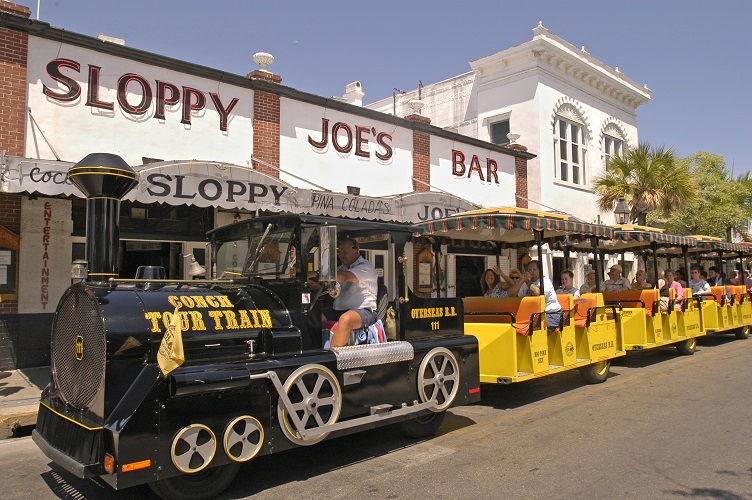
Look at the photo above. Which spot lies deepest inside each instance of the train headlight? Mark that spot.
(79, 270)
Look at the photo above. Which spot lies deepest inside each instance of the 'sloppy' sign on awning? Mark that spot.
(192, 182)
(222, 185)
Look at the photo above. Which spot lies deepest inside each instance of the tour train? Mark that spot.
(595, 327)
(256, 378)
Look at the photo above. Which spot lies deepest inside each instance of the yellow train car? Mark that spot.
(729, 309)
(512, 332)
(643, 321)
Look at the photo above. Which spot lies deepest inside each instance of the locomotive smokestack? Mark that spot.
(104, 179)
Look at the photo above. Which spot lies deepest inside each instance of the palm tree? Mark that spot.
(648, 178)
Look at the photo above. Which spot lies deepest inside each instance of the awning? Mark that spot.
(233, 187)
(178, 182)
(708, 245)
(630, 237)
(514, 226)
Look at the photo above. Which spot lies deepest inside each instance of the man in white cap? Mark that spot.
(615, 281)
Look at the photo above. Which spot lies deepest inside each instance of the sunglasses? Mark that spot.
(515, 277)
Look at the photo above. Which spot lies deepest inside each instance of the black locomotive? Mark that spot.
(256, 379)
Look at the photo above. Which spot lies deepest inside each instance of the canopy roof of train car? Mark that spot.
(514, 226)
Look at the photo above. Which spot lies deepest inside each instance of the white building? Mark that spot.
(570, 109)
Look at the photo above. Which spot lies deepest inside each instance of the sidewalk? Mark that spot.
(19, 397)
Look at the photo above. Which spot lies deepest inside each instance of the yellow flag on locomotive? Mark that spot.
(170, 354)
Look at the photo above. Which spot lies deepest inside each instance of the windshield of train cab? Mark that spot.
(262, 249)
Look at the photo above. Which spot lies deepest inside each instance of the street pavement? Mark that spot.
(19, 398)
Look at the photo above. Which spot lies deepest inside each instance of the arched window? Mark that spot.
(613, 143)
(570, 146)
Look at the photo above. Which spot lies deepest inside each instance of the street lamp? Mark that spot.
(621, 212)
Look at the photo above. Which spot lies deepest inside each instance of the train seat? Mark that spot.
(565, 301)
(522, 311)
(649, 299)
(583, 307)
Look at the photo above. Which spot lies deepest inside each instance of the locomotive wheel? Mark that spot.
(687, 347)
(193, 448)
(316, 399)
(203, 485)
(422, 427)
(244, 437)
(596, 373)
(439, 378)
(742, 333)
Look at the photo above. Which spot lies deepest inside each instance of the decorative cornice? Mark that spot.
(547, 49)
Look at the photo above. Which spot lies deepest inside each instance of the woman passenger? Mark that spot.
(589, 285)
(640, 281)
(491, 286)
(567, 284)
(669, 282)
(697, 283)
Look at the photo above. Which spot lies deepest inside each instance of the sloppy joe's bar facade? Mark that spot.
(208, 147)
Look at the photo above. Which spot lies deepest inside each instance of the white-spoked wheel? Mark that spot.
(439, 378)
(193, 448)
(244, 437)
(316, 399)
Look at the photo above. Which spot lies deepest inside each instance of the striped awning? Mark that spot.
(513, 226)
(632, 236)
(710, 245)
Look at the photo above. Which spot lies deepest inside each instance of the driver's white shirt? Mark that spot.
(360, 294)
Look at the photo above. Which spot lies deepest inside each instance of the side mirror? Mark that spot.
(328, 254)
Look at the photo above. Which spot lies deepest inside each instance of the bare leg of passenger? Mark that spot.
(348, 321)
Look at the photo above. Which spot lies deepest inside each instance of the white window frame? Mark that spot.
(579, 147)
(613, 134)
(488, 121)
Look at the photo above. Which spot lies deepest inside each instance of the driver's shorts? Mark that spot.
(367, 316)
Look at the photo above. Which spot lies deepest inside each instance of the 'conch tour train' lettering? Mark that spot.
(218, 319)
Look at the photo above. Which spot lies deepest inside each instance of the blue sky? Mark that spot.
(691, 53)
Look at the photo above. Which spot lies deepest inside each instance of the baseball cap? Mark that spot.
(615, 267)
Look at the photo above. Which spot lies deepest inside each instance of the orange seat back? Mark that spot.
(718, 292)
(526, 314)
(566, 303)
(524, 310)
(582, 305)
(645, 297)
(491, 306)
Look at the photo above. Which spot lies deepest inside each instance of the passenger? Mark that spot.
(616, 283)
(567, 284)
(355, 307)
(589, 285)
(514, 281)
(640, 281)
(669, 282)
(491, 286)
(714, 278)
(697, 283)
(733, 279)
(679, 274)
(554, 312)
(748, 282)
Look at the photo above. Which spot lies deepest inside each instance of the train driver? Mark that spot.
(355, 307)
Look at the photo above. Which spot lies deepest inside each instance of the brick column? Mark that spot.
(520, 176)
(14, 47)
(266, 124)
(421, 154)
